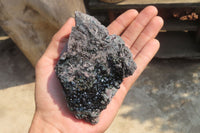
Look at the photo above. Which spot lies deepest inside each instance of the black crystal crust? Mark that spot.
(92, 67)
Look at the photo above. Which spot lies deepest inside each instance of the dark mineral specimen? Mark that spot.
(92, 67)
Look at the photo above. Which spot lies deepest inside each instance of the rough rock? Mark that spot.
(92, 67)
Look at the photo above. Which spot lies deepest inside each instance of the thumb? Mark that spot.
(59, 40)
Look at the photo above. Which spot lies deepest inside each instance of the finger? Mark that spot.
(120, 24)
(142, 59)
(59, 40)
(137, 26)
(65, 30)
(147, 34)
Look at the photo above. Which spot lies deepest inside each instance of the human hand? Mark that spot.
(52, 115)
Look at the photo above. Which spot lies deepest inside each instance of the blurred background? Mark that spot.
(166, 97)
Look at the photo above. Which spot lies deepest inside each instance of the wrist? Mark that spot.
(39, 125)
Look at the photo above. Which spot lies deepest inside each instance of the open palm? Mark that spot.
(52, 115)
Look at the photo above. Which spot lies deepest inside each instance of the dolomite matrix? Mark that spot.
(92, 67)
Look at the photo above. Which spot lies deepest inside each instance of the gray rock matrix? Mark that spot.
(92, 67)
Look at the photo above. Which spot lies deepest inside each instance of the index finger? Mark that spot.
(122, 22)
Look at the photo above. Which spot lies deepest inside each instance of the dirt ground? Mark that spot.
(165, 99)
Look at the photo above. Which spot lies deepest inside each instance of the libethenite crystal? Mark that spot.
(92, 67)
